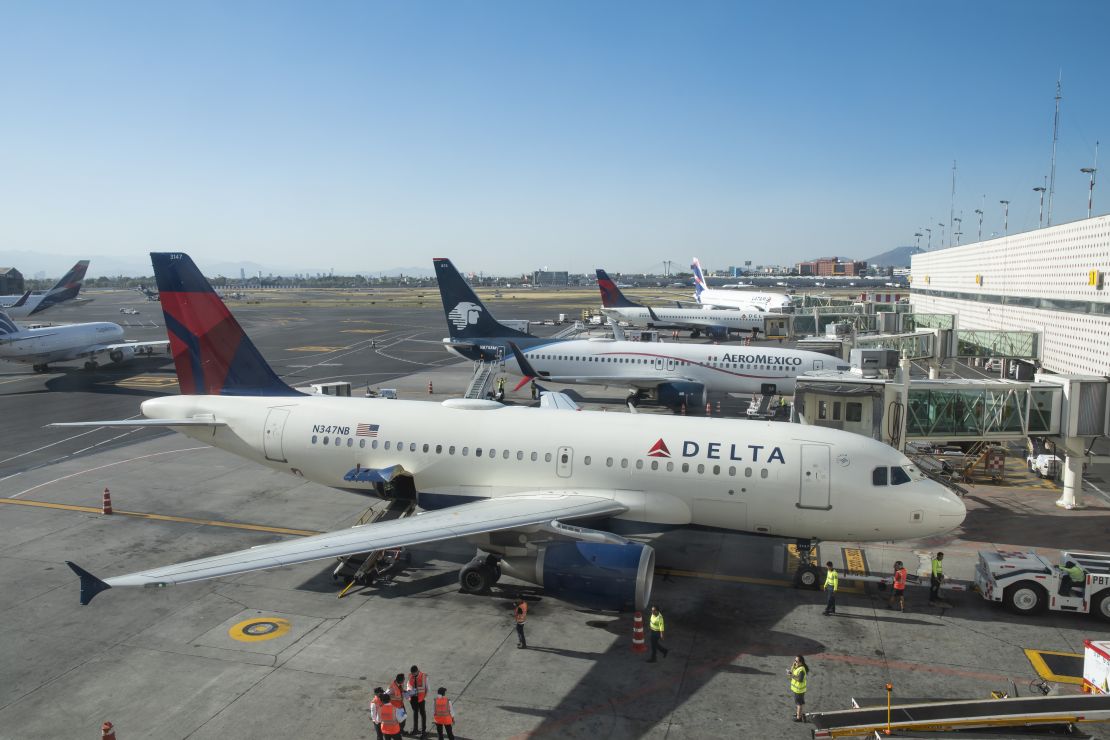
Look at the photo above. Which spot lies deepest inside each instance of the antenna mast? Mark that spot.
(1055, 138)
(952, 203)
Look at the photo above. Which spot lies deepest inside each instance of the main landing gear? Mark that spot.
(808, 574)
(479, 575)
(42, 368)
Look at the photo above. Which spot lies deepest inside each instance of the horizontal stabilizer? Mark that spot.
(90, 584)
(143, 423)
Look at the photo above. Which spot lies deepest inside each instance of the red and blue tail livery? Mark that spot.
(211, 352)
(611, 295)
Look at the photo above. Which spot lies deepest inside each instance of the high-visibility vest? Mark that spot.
(396, 695)
(442, 714)
(522, 612)
(797, 681)
(656, 622)
(390, 725)
(420, 683)
(1075, 573)
(938, 568)
(900, 579)
(832, 579)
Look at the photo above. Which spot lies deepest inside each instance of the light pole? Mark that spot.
(917, 235)
(958, 233)
(942, 242)
(1040, 217)
(980, 212)
(929, 240)
(1005, 216)
(1091, 190)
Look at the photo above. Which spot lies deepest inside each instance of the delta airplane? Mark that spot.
(91, 342)
(718, 298)
(542, 493)
(669, 374)
(716, 323)
(66, 289)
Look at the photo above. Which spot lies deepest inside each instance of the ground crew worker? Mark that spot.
(417, 688)
(520, 614)
(899, 587)
(393, 718)
(832, 583)
(1073, 576)
(535, 391)
(443, 714)
(936, 577)
(799, 674)
(397, 698)
(376, 711)
(657, 627)
(501, 389)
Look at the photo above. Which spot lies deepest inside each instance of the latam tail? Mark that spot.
(467, 316)
(611, 295)
(211, 352)
(65, 289)
(699, 280)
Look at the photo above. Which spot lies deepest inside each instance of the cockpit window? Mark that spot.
(878, 477)
(898, 476)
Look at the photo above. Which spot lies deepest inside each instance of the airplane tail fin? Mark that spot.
(22, 300)
(7, 326)
(65, 289)
(611, 295)
(211, 352)
(467, 317)
(699, 279)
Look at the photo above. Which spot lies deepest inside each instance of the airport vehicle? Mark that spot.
(91, 342)
(1045, 466)
(511, 479)
(671, 375)
(66, 289)
(715, 322)
(720, 298)
(1029, 583)
(129, 311)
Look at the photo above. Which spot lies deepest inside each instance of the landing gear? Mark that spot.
(634, 398)
(695, 333)
(90, 365)
(479, 575)
(808, 575)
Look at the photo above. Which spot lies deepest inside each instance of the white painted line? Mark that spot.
(60, 441)
(103, 442)
(108, 465)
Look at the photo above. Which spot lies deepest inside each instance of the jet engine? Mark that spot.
(592, 574)
(719, 333)
(121, 354)
(675, 394)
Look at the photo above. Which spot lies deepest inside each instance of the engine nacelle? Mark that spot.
(121, 354)
(674, 395)
(591, 574)
(719, 333)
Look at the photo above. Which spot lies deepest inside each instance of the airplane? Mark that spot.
(150, 294)
(716, 323)
(66, 289)
(719, 298)
(672, 375)
(40, 347)
(542, 493)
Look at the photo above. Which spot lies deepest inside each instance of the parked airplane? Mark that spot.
(719, 298)
(669, 374)
(716, 323)
(509, 479)
(66, 289)
(91, 342)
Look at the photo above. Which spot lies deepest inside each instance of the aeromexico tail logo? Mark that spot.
(659, 449)
(721, 451)
(464, 314)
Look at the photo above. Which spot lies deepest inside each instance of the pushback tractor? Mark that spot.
(1029, 583)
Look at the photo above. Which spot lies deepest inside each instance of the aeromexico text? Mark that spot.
(762, 359)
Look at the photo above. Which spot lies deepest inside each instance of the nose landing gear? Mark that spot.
(808, 574)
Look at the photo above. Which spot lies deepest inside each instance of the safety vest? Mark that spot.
(656, 622)
(900, 579)
(420, 683)
(442, 714)
(521, 614)
(938, 568)
(832, 579)
(390, 725)
(1075, 573)
(396, 695)
(797, 680)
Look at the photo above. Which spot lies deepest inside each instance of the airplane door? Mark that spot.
(271, 435)
(564, 462)
(813, 489)
(670, 364)
(658, 363)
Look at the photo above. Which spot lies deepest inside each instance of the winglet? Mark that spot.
(526, 368)
(90, 584)
(22, 299)
(655, 319)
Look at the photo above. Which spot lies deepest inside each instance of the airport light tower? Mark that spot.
(980, 212)
(1005, 216)
(929, 241)
(1091, 190)
(1040, 217)
(917, 235)
(958, 233)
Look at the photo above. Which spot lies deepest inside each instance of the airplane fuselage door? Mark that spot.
(658, 363)
(670, 364)
(813, 489)
(564, 462)
(271, 435)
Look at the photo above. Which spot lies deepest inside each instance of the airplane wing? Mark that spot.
(139, 348)
(479, 517)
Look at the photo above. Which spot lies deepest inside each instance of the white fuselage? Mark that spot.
(739, 299)
(57, 343)
(775, 479)
(7, 303)
(710, 318)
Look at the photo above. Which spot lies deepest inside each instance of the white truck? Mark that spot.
(1029, 583)
(1044, 465)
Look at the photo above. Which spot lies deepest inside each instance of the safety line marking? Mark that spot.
(1043, 670)
(855, 562)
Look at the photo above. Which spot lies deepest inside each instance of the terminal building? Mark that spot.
(11, 281)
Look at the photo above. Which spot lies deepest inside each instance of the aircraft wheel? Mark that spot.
(1025, 597)
(477, 578)
(1102, 606)
(807, 576)
(90, 366)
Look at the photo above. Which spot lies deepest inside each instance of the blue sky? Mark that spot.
(510, 135)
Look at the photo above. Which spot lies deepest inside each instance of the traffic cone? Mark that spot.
(684, 408)
(709, 408)
(638, 645)
(430, 391)
(106, 507)
(107, 732)
(718, 408)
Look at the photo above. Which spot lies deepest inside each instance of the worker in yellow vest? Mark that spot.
(416, 687)
(799, 674)
(832, 583)
(393, 718)
(443, 714)
(656, 627)
(936, 577)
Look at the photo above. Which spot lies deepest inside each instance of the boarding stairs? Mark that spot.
(760, 407)
(364, 567)
(479, 383)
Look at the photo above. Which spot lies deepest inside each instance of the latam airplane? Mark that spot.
(66, 289)
(542, 493)
(716, 323)
(669, 374)
(91, 342)
(718, 298)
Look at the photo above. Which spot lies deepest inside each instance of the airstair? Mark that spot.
(365, 567)
(479, 383)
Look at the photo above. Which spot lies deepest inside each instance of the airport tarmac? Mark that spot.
(277, 654)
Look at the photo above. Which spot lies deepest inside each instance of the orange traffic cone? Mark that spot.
(107, 732)
(718, 408)
(638, 645)
(709, 408)
(430, 391)
(684, 408)
(106, 507)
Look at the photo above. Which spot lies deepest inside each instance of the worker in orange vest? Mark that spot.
(397, 697)
(393, 718)
(443, 714)
(417, 688)
(899, 590)
(520, 614)
(376, 711)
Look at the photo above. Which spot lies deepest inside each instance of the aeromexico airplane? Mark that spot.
(667, 373)
(720, 298)
(66, 289)
(716, 323)
(92, 342)
(518, 482)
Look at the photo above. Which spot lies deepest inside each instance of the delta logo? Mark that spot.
(659, 449)
(722, 451)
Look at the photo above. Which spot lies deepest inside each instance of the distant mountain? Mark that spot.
(898, 257)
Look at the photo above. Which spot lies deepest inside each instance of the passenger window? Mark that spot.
(716, 470)
(624, 462)
(747, 472)
(763, 473)
(439, 449)
(608, 462)
(670, 467)
(325, 440)
(362, 444)
(477, 451)
(655, 465)
(313, 439)
(451, 450)
(853, 412)
(585, 460)
(639, 465)
(412, 447)
(701, 469)
(534, 457)
(386, 446)
(374, 445)
(350, 441)
(337, 441)
(505, 455)
(519, 454)
(898, 476)
(685, 467)
(878, 477)
(465, 451)
(425, 448)
(547, 457)
(732, 470)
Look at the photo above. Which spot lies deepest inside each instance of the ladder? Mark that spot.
(479, 383)
(358, 566)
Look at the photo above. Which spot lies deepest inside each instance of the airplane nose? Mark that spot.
(951, 509)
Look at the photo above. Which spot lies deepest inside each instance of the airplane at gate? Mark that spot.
(90, 342)
(66, 289)
(520, 483)
(734, 299)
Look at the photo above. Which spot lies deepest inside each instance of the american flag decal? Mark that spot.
(366, 430)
